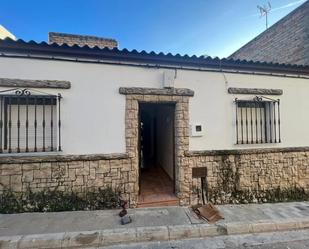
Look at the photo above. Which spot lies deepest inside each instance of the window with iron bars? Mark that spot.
(29, 121)
(257, 121)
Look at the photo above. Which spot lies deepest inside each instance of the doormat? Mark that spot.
(208, 212)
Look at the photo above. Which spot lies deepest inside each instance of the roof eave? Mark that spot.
(96, 54)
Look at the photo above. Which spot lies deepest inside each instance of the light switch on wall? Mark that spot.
(197, 130)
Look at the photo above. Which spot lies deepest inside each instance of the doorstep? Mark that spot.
(155, 200)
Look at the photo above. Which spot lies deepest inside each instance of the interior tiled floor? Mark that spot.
(156, 188)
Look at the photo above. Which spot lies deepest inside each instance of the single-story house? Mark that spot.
(82, 118)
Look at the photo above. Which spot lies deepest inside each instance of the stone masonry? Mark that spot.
(284, 42)
(249, 170)
(81, 40)
(69, 173)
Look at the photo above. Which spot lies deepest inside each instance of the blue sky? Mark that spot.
(212, 27)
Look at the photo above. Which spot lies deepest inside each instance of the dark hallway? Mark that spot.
(157, 155)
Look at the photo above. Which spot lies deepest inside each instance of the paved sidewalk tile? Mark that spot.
(96, 228)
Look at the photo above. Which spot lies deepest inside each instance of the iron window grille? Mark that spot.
(258, 121)
(29, 121)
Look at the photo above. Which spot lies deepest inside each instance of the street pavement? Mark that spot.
(275, 240)
(57, 222)
(86, 229)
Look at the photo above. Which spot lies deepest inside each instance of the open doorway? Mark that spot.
(156, 154)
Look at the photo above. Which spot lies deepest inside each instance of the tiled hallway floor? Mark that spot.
(156, 189)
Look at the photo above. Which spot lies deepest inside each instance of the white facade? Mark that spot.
(93, 111)
(4, 33)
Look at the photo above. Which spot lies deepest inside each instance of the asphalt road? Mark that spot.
(279, 240)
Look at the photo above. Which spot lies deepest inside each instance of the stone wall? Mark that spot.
(227, 171)
(247, 171)
(284, 42)
(69, 173)
(81, 40)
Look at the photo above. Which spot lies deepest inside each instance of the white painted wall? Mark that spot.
(214, 108)
(93, 110)
(165, 140)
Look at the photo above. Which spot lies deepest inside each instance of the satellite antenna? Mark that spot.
(264, 10)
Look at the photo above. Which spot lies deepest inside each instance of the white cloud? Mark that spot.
(288, 5)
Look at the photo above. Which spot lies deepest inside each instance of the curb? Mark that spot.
(85, 239)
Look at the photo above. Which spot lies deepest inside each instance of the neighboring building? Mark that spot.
(82, 118)
(284, 42)
(4, 33)
(81, 40)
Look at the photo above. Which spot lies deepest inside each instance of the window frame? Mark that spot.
(264, 130)
(26, 97)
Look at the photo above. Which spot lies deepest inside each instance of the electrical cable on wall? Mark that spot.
(225, 78)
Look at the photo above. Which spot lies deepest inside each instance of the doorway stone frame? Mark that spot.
(179, 96)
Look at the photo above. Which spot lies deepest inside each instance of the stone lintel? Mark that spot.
(61, 84)
(60, 158)
(156, 91)
(245, 151)
(262, 91)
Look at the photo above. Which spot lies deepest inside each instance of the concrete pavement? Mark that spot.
(85, 229)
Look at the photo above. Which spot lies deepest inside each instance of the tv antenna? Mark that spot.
(264, 10)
